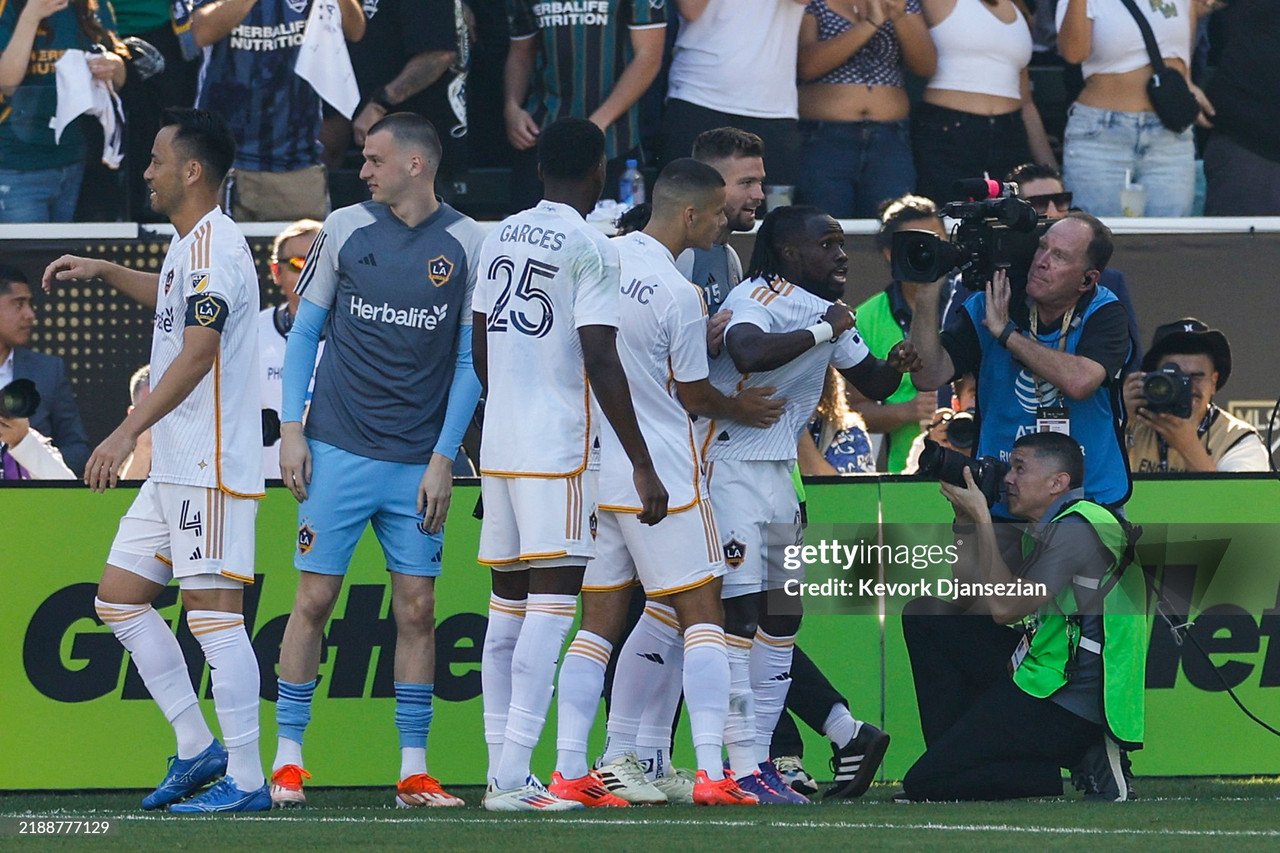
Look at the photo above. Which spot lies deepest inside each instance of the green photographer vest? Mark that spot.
(880, 331)
(1053, 646)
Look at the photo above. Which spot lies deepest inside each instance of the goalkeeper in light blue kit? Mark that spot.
(389, 282)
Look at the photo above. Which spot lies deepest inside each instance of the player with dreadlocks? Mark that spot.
(788, 325)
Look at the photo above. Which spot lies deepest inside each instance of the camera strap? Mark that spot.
(1162, 446)
(1061, 344)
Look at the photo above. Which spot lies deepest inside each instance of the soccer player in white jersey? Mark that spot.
(547, 299)
(289, 252)
(662, 345)
(787, 327)
(193, 519)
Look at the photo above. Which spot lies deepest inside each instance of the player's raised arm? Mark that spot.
(137, 285)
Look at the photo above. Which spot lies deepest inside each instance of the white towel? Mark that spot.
(323, 60)
(80, 93)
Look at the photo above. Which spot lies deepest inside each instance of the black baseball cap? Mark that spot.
(1189, 335)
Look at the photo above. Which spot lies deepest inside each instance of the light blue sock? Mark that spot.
(413, 714)
(293, 708)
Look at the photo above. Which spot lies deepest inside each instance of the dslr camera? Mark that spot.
(1168, 390)
(997, 230)
(948, 466)
(19, 399)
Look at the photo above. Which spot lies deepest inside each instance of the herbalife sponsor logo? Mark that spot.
(418, 318)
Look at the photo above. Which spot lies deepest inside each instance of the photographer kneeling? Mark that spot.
(1076, 615)
(1174, 425)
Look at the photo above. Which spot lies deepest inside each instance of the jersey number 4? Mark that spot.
(503, 318)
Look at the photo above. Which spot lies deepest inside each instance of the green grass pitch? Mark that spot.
(1172, 814)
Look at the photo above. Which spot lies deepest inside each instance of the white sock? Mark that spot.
(841, 727)
(413, 760)
(770, 681)
(158, 657)
(505, 620)
(662, 686)
(579, 688)
(740, 722)
(643, 664)
(236, 683)
(533, 674)
(706, 693)
(288, 751)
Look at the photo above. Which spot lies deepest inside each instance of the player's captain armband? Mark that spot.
(207, 310)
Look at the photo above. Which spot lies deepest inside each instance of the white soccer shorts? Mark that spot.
(678, 553)
(758, 515)
(538, 522)
(202, 536)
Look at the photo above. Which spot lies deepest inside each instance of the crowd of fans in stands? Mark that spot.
(858, 101)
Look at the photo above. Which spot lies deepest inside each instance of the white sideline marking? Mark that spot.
(423, 817)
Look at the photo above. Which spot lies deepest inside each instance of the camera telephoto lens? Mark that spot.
(19, 399)
(1159, 389)
(962, 431)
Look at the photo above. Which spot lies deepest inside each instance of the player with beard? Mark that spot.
(787, 326)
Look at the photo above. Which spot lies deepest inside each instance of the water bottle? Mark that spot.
(631, 186)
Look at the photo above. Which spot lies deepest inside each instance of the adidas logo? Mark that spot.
(369, 260)
(724, 436)
(195, 555)
(782, 676)
(652, 656)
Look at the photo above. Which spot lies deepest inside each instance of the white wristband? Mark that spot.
(821, 332)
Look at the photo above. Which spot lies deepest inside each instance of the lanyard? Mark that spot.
(1163, 446)
(1061, 345)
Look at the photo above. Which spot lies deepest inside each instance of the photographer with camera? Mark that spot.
(1006, 702)
(1174, 425)
(41, 437)
(1047, 359)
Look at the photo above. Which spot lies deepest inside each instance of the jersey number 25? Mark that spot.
(503, 318)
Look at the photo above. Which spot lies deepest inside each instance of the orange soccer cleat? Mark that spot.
(286, 787)
(721, 792)
(423, 790)
(588, 790)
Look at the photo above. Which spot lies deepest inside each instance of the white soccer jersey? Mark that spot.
(662, 339)
(213, 438)
(778, 306)
(271, 340)
(543, 274)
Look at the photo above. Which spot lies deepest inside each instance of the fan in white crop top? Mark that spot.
(1117, 45)
(978, 52)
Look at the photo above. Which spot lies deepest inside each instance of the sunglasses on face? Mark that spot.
(1062, 201)
(297, 262)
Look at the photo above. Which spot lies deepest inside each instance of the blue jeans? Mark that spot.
(40, 195)
(1099, 145)
(850, 167)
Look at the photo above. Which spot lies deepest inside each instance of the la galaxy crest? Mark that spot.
(306, 538)
(440, 270)
(735, 553)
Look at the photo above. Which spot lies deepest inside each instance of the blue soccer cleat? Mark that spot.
(769, 774)
(226, 797)
(754, 784)
(187, 775)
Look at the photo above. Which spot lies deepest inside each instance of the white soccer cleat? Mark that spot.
(531, 797)
(286, 787)
(677, 786)
(624, 777)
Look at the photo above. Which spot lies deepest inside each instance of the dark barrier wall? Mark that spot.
(1228, 280)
